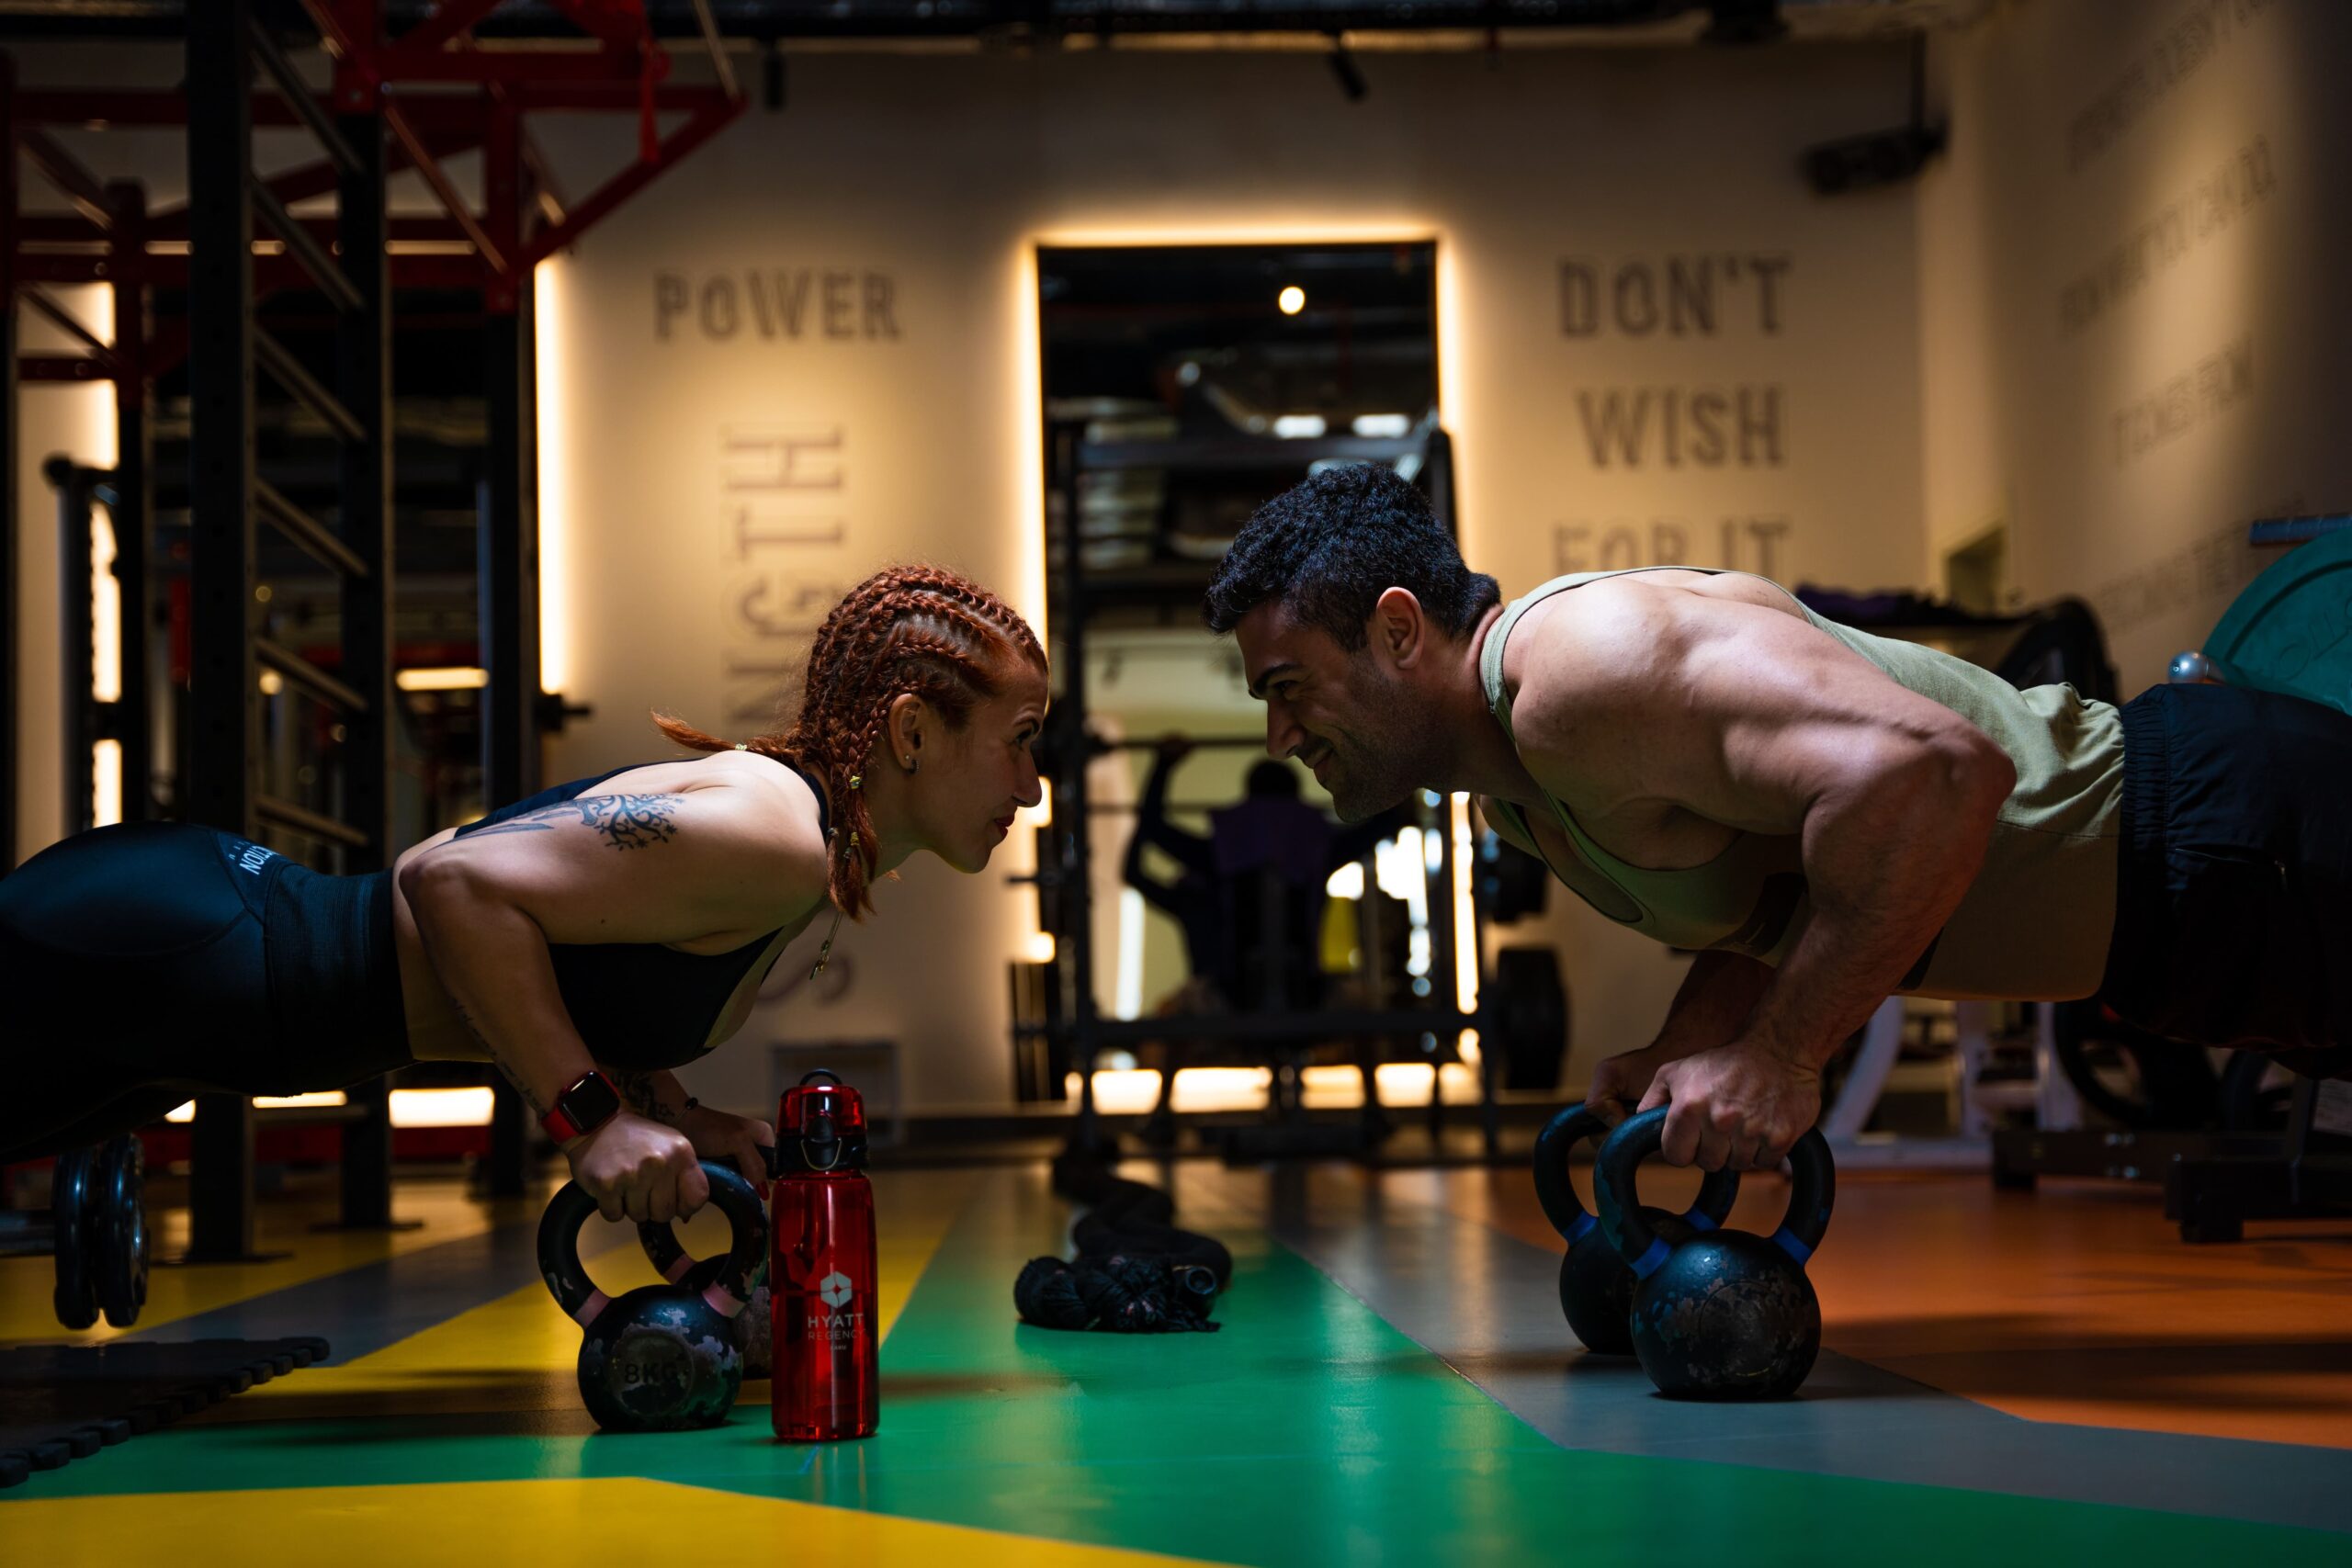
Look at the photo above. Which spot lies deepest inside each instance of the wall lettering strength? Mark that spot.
(781, 501)
(777, 305)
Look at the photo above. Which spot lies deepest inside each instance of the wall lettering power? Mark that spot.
(782, 305)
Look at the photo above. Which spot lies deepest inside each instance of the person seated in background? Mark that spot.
(1248, 897)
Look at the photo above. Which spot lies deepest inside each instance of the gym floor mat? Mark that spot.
(60, 1403)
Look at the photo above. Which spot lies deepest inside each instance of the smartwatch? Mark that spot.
(588, 1104)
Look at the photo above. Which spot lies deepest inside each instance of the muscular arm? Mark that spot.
(1716, 998)
(721, 862)
(1744, 715)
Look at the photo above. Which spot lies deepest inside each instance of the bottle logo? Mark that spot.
(834, 1289)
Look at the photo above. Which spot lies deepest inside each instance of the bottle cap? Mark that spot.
(820, 1126)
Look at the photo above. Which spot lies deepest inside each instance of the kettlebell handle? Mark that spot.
(571, 1209)
(1813, 1191)
(1570, 1127)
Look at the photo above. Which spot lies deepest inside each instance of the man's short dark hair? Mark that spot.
(1326, 549)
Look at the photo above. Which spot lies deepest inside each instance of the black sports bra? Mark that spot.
(639, 1006)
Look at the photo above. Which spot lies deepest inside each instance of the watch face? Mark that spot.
(590, 1103)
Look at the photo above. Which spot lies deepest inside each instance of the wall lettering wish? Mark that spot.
(777, 305)
(1673, 427)
(781, 502)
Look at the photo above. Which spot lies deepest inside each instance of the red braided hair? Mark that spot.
(919, 630)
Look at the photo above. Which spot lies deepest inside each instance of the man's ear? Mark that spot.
(1399, 631)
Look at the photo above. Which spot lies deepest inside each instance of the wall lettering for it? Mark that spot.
(2185, 47)
(781, 493)
(1742, 544)
(2208, 208)
(777, 305)
(1677, 296)
(2205, 391)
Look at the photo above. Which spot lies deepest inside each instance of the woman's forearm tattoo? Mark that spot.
(627, 821)
(641, 1091)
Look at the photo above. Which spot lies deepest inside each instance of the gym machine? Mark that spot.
(2276, 1152)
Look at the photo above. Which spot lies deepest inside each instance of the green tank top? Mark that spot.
(2053, 850)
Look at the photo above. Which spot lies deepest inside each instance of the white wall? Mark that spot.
(2134, 333)
(934, 179)
(76, 421)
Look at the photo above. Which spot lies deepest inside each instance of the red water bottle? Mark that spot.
(826, 1375)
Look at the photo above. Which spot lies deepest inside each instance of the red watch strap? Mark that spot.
(559, 1123)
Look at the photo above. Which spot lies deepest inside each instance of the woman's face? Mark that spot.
(964, 801)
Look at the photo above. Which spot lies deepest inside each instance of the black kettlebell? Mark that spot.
(1596, 1287)
(753, 1326)
(1723, 1313)
(661, 1358)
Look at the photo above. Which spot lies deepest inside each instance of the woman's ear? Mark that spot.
(903, 733)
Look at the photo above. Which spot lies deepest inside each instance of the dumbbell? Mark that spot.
(99, 1233)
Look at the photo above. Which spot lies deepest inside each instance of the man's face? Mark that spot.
(1349, 716)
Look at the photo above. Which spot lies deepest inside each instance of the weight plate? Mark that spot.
(2291, 629)
(118, 1230)
(76, 1294)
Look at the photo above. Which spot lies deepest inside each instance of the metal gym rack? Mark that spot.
(234, 243)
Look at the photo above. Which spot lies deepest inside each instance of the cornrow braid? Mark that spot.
(908, 631)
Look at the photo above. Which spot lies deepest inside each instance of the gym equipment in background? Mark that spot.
(2261, 1149)
(1721, 1315)
(661, 1358)
(1596, 1287)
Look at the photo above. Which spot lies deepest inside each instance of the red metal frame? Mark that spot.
(525, 222)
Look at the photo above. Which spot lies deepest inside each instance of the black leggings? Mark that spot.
(2234, 914)
(143, 963)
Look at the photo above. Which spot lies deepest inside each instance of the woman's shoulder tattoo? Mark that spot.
(627, 821)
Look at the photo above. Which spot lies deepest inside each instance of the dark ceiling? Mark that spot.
(1718, 21)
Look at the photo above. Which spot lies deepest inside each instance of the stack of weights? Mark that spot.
(1134, 1273)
